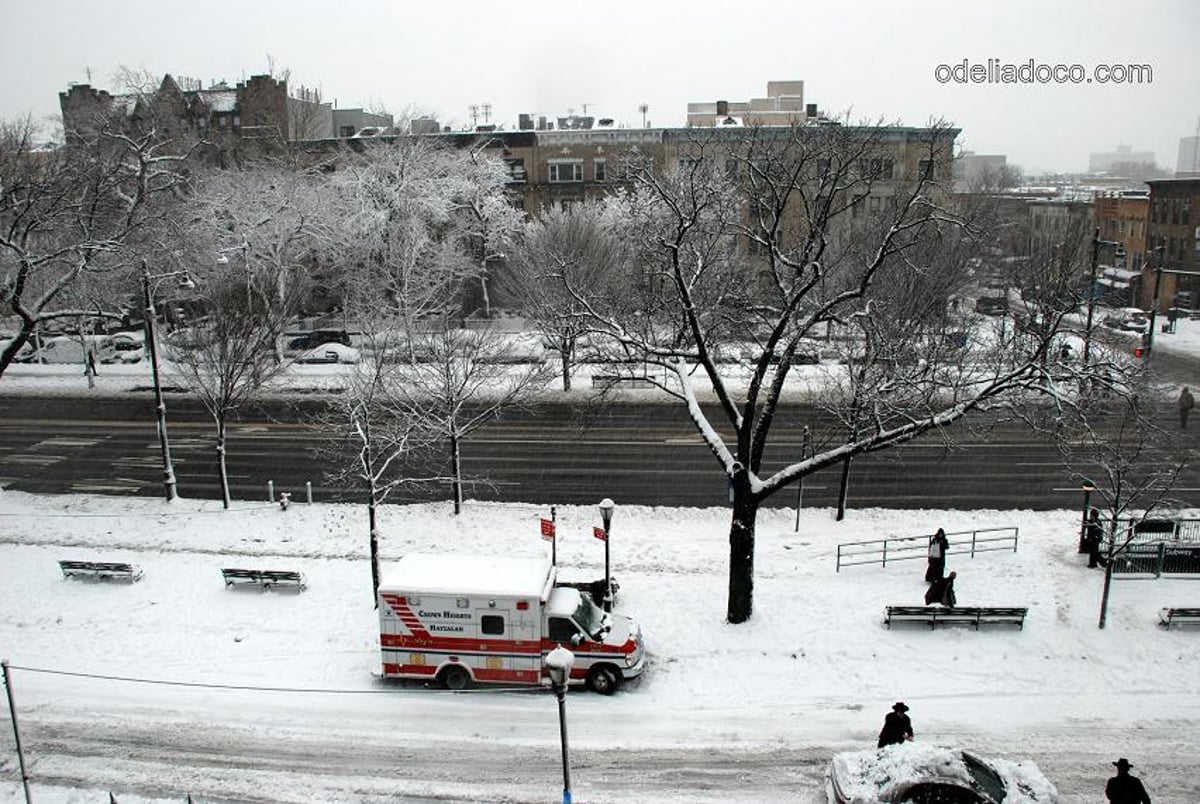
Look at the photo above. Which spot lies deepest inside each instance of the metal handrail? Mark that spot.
(907, 548)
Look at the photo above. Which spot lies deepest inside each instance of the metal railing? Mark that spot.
(1156, 547)
(909, 548)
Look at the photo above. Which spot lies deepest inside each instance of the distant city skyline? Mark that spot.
(1046, 85)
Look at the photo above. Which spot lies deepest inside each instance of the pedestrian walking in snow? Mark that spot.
(1186, 403)
(938, 545)
(896, 726)
(1125, 788)
(942, 591)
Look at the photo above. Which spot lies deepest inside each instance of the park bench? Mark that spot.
(100, 570)
(957, 615)
(1178, 616)
(264, 578)
(607, 381)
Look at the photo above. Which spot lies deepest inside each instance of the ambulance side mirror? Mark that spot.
(576, 639)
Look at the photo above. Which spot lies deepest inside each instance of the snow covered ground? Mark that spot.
(273, 696)
(294, 711)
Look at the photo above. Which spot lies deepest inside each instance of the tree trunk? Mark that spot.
(843, 490)
(483, 287)
(221, 470)
(741, 550)
(373, 521)
(1108, 569)
(566, 369)
(456, 472)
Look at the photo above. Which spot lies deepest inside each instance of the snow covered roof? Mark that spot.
(219, 100)
(452, 574)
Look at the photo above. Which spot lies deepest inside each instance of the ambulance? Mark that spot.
(458, 620)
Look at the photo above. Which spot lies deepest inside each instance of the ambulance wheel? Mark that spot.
(603, 679)
(455, 678)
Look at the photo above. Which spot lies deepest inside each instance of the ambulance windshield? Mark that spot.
(591, 618)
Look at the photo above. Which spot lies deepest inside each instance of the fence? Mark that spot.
(1157, 547)
(908, 548)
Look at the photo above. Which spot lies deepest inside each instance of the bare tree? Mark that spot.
(248, 289)
(460, 380)
(383, 435)
(767, 236)
(564, 248)
(1112, 441)
(487, 219)
(72, 221)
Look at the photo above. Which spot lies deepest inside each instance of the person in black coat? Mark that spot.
(942, 591)
(938, 545)
(896, 726)
(1093, 537)
(1125, 788)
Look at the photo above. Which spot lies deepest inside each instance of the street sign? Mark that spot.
(548, 530)
(600, 533)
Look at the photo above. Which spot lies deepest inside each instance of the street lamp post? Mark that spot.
(558, 665)
(160, 406)
(606, 511)
(1087, 487)
(1091, 299)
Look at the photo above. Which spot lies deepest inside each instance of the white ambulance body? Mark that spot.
(457, 619)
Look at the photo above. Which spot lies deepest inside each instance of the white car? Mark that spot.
(920, 773)
(330, 353)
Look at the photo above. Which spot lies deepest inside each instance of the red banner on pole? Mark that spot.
(600, 533)
(548, 530)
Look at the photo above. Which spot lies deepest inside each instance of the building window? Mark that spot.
(925, 167)
(599, 170)
(237, 120)
(875, 205)
(877, 168)
(345, 131)
(516, 170)
(566, 171)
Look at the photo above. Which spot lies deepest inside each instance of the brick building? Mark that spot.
(1173, 233)
(259, 107)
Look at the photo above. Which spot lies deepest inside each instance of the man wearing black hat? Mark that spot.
(1124, 788)
(896, 726)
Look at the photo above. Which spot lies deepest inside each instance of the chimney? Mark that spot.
(722, 107)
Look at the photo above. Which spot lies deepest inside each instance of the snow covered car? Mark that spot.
(130, 346)
(330, 353)
(918, 773)
(1128, 318)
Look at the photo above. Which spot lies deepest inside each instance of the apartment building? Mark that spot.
(261, 107)
(1173, 235)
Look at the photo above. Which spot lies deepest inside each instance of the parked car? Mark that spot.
(130, 346)
(1131, 319)
(919, 773)
(295, 343)
(330, 353)
(71, 349)
(991, 305)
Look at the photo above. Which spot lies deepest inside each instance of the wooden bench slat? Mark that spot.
(264, 578)
(1179, 616)
(975, 615)
(102, 570)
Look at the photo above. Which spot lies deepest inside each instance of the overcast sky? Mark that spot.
(873, 59)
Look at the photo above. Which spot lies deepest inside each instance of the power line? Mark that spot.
(249, 687)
